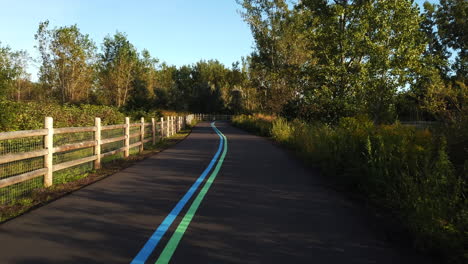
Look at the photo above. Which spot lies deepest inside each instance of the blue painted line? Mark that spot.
(153, 241)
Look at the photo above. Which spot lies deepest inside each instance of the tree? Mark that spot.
(277, 63)
(6, 71)
(164, 85)
(14, 78)
(67, 62)
(20, 60)
(144, 82)
(437, 92)
(453, 30)
(333, 58)
(366, 51)
(116, 68)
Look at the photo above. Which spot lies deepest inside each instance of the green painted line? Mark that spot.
(171, 246)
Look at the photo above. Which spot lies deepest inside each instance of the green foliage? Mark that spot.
(453, 30)
(117, 65)
(24, 116)
(281, 130)
(138, 114)
(276, 67)
(13, 75)
(404, 169)
(339, 58)
(66, 70)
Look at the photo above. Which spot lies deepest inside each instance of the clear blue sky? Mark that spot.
(175, 31)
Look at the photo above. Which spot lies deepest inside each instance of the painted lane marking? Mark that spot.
(171, 246)
(153, 241)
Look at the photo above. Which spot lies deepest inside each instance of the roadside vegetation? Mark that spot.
(415, 174)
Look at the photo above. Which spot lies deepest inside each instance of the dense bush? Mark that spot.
(401, 168)
(30, 115)
(23, 116)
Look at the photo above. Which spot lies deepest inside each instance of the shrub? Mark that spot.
(30, 115)
(281, 130)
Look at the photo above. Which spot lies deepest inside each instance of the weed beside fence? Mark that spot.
(404, 169)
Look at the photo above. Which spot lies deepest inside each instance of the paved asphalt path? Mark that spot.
(263, 207)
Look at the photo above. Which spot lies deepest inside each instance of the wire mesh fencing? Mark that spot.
(10, 169)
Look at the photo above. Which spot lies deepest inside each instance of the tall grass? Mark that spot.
(403, 169)
(257, 123)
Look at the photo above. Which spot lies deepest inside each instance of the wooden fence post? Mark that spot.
(177, 124)
(97, 138)
(153, 130)
(162, 127)
(172, 125)
(167, 127)
(142, 134)
(127, 137)
(49, 145)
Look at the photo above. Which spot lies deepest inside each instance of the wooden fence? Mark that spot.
(156, 129)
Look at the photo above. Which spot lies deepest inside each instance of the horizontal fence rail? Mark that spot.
(32, 159)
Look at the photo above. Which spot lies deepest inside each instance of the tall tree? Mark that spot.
(144, 82)
(366, 51)
(14, 78)
(68, 58)
(20, 60)
(164, 85)
(280, 51)
(116, 68)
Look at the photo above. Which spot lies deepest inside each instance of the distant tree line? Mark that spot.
(74, 71)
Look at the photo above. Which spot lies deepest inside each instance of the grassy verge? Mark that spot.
(406, 171)
(76, 180)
